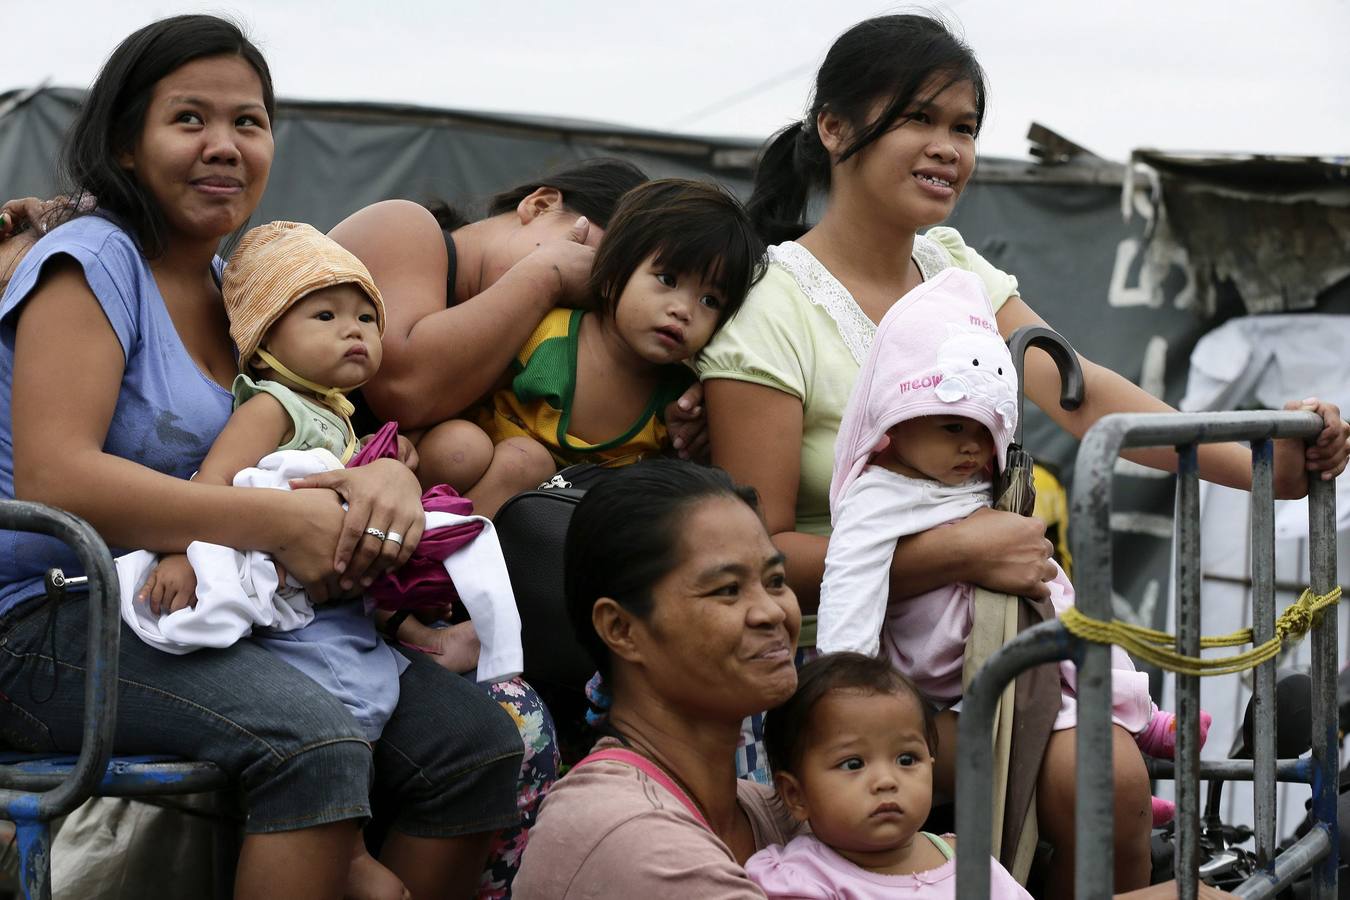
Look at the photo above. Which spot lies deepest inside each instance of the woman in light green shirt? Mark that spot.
(890, 138)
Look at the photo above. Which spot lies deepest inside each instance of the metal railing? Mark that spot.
(32, 812)
(1050, 641)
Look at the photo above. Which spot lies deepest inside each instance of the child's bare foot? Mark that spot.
(453, 646)
(456, 646)
(368, 880)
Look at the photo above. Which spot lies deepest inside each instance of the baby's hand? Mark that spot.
(171, 586)
(407, 453)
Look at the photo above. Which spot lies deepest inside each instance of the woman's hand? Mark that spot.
(383, 496)
(16, 238)
(1324, 457)
(565, 265)
(312, 522)
(19, 215)
(23, 222)
(1014, 555)
(32, 213)
(12, 251)
(687, 424)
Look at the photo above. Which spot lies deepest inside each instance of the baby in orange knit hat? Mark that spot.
(307, 320)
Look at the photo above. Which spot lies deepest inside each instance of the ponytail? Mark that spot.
(447, 216)
(792, 163)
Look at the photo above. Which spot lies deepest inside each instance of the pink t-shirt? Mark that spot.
(806, 869)
(607, 830)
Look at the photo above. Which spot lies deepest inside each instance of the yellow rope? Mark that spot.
(1156, 647)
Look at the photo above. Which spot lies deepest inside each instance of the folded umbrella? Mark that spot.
(1013, 490)
(1032, 700)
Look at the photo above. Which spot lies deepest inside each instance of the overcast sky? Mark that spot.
(1213, 75)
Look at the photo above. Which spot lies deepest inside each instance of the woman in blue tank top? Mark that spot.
(115, 366)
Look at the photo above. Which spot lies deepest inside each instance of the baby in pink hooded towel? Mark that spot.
(931, 414)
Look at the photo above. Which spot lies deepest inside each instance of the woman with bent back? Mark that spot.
(464, 296)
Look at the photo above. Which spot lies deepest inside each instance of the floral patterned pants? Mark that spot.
(538, 771)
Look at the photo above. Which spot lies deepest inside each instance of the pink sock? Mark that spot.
(1164, 811)
(1159, 738)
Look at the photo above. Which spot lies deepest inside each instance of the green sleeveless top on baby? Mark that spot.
(315, 425)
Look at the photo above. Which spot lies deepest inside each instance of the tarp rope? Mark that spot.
(1157, 647)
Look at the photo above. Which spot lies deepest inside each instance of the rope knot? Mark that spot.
(1298, 618)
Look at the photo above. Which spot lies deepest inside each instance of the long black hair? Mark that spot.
(114, 111)
(889, 58)
(624, 537)
(590, 188)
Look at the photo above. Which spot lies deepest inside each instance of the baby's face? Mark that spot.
(331, 337)
(865, 781)
(949, 449)
(666, 317)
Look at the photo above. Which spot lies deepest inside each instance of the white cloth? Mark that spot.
(878, 508)
(478, 570)
(925, 636)
(237, 590)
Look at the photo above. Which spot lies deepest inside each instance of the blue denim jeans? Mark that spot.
(450, 756)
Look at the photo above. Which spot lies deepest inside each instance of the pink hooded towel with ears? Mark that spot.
(937, 352)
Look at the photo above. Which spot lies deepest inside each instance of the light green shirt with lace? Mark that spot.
(314, 425)
(801, 332)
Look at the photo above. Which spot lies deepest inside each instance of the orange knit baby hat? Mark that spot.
(274, 266)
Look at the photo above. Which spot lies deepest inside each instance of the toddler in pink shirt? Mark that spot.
(852, 754)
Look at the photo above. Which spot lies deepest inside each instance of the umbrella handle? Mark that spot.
(1066, 360)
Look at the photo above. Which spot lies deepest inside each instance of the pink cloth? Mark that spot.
(421, 582)
(806, 869)
(937, 352)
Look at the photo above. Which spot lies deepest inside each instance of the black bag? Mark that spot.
(532, 528)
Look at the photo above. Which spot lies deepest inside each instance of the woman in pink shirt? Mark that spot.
(675, 589)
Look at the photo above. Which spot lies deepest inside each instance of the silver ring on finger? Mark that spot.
(376, 533)
(394, 537)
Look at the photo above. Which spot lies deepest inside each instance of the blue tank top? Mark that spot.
(168, 410)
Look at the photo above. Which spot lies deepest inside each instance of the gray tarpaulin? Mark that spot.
(1124, 293)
